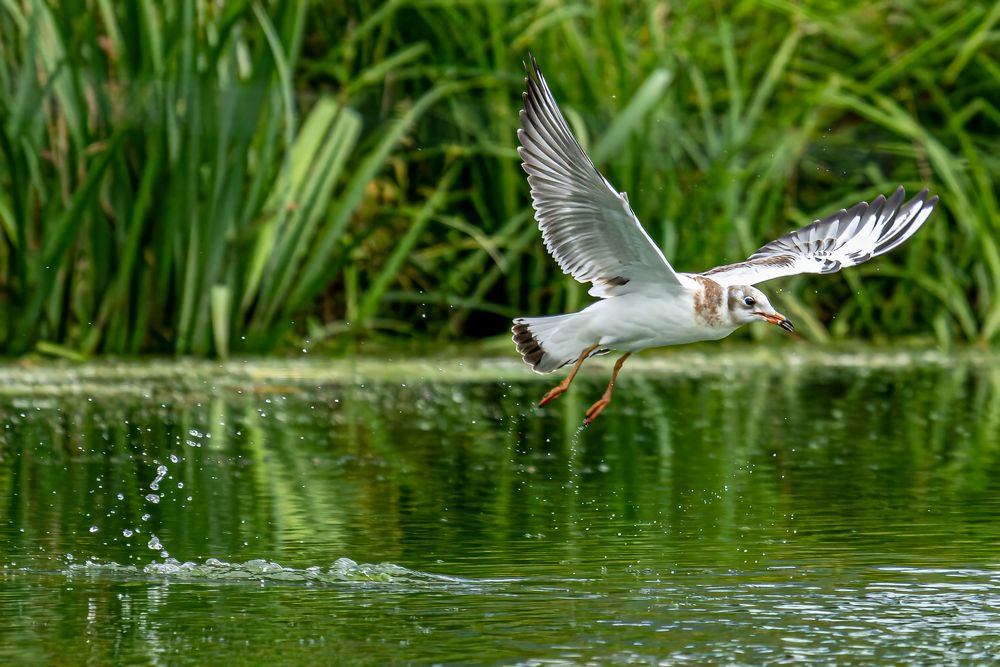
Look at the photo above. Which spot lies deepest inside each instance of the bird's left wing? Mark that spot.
(846, 238)
(588, 227)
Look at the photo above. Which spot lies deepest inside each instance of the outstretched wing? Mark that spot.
(588, 227)
(846, 238)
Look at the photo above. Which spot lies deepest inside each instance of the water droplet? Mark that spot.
(94, 529)
(153, 498)
(154, 543)
(161, 472)
(127, 533)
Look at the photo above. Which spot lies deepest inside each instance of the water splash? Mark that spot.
(261, 570)
(161, 472)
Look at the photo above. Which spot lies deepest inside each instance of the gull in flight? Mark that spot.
(590, 230)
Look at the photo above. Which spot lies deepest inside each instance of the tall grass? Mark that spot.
(159, 190)
(727, 127)
(179, 177)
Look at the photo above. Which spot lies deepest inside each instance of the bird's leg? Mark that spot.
(603, 401)
(560, 388)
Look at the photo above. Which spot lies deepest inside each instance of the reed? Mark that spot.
(164, 185)
(727, 128)
(182, 178)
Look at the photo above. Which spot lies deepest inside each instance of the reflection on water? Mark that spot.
(722, 509)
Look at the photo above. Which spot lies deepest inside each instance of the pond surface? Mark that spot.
(734, 508)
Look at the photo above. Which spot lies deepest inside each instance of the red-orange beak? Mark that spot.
(780, 320)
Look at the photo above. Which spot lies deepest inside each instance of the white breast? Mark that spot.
(634, 322)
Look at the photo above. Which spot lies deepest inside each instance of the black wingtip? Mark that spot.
(535, 86)
(532, 68)
(896, 200)
(919, 197)
(893, 203)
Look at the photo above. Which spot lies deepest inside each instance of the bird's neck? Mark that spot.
(710, 306)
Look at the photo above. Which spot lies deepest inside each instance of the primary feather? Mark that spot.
(847, 238)
(587, 226)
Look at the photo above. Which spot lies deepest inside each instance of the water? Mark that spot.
(738, 508)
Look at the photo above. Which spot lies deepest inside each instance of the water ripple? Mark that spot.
(261, 570)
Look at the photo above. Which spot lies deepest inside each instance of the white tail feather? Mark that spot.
(549, 343)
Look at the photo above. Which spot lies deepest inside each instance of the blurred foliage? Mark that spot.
(179, 177)
(159, 192)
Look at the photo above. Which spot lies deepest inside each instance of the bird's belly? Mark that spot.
(633, 323)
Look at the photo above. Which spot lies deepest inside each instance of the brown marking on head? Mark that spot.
(734, 297)
(708, 303)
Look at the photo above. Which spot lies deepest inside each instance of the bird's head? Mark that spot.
(748, 304)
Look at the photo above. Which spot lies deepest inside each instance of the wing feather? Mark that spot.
(587, 226)
(846, 238)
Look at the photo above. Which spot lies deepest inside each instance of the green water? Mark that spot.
(739, 508)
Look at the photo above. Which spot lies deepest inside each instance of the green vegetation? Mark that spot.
(176, 177)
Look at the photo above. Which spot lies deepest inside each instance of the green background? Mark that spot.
(176, 177)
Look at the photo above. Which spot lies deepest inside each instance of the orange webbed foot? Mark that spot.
(553, 394)
(596, 409)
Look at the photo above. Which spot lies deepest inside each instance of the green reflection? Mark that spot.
(696, 493)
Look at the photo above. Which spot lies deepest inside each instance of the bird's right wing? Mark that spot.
(587, 226)
(846, 238)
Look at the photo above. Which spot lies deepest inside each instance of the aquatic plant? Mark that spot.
(159, 191)
(726, 128)
(193, 178)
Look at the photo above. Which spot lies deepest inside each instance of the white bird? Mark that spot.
(590, 230)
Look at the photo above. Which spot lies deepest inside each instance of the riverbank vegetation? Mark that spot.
(194, 178)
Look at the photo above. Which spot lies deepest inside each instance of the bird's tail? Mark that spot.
(548, 343)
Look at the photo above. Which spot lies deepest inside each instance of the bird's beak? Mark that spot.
(779, 320)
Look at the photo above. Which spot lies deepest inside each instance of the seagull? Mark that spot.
(590, 230)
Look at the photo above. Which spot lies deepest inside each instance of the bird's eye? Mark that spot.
(749, 301)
